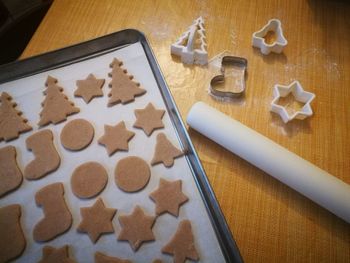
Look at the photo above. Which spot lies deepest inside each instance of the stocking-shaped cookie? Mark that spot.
(56, 255)
(57, 218)
(46, 157)
(123, 88)
(12, 241)
(10, 175)
(56, 106)
(11, 121)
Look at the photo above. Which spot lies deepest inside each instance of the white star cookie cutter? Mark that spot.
(299, 94)
(277, 46)
(191, 45)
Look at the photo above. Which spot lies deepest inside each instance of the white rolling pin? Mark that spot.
(287, 167)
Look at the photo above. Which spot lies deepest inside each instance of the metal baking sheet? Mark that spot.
(24, 80)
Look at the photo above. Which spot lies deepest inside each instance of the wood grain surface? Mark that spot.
(270, 222)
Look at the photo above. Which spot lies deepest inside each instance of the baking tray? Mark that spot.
(109, 43)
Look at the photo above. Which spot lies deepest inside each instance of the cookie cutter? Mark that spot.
(278, 45)
(229, 60)
(299, 94)
(191, 45)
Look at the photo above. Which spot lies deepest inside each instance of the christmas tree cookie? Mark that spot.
(123, 88)
(11, 121)
(56, 106)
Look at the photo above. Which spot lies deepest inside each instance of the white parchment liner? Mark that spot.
(28, 93)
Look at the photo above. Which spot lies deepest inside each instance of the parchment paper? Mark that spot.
(28, 93)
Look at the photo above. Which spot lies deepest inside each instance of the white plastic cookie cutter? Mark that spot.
(299, 94)
(192, 46)
(258, 40)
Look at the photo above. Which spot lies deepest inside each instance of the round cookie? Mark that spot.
(88, 180)
(77, 134)
(132, 174)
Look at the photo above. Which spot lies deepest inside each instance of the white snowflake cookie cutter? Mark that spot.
(191, 46)
(278, 45)
(299, 95)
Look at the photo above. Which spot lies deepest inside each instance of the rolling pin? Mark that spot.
(287, 167)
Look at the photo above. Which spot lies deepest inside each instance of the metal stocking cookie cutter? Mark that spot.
(278, 45)
(232, 60)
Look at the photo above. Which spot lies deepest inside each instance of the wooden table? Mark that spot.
(270, 222)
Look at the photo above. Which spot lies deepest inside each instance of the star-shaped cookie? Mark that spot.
(136, 228)
(116, 138)
(165, 151)
(182, 244)
(168, 197)
(97, 220)
(56, 255)
(149, 119)
(89, 88)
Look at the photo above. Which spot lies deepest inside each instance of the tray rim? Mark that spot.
(108, 43)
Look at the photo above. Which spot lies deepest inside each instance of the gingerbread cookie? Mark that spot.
(102, 258)
(88, 180)
(77, 134)
(89, 88)
(136, 228)
(97, 220)
(57, 218)
(123, 88)
(149, 119)
(10, 175)
(168, 197)
(56, 255)
(46, 159)
(116, 138)
(11, 121)
(181, 246)
(56, 106)
(165, 152)
(132, 174)
(12, 241)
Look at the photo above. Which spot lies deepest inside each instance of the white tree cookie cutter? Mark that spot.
(278, 45)
(191, 46)
(299, 94)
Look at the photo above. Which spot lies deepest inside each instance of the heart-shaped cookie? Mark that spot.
(233, 68)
